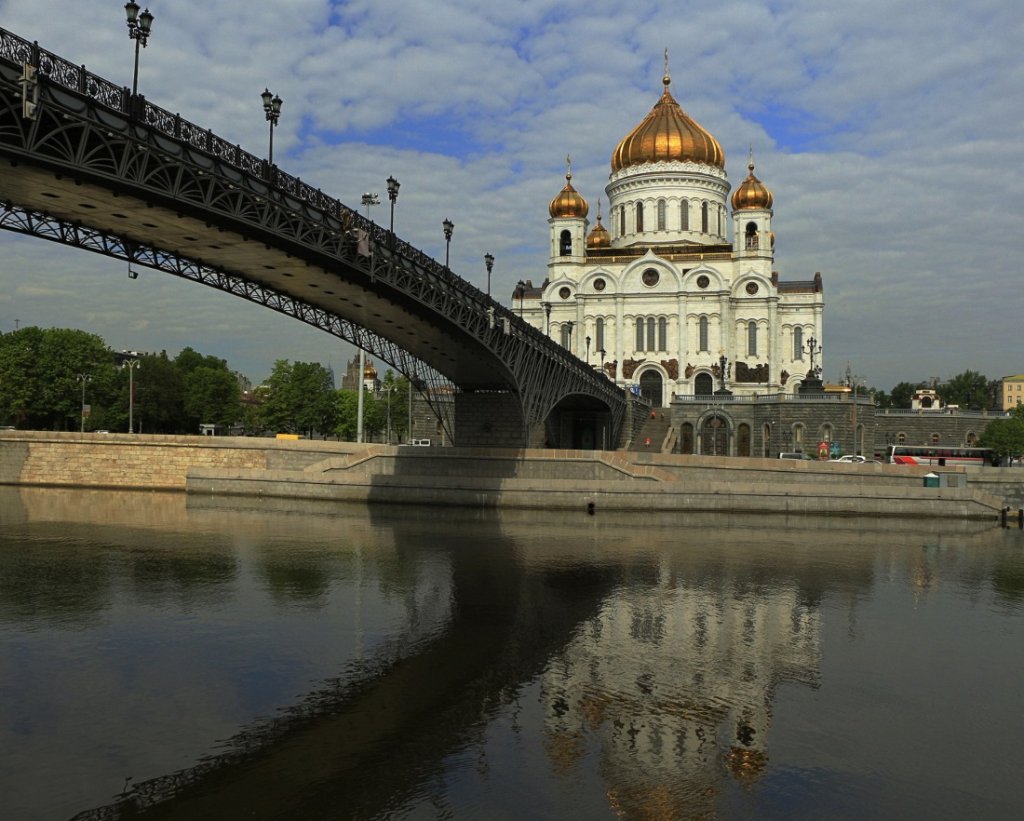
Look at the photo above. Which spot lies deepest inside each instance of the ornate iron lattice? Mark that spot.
(89, 128)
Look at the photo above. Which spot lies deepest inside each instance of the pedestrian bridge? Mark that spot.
(89, 164)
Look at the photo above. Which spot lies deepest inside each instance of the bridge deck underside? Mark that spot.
(350, 294)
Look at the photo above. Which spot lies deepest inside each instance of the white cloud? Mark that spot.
(888, 133)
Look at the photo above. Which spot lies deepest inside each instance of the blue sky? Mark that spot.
(888, 132)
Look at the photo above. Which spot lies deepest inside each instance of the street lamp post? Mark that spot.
(568, 337)
(521, 291)
(367, 200)
(448, 227)
(489, 263)
(139, 26)
(393, 186)
(83, 378)
(603, 352)
(131, 365)
(272, 109)
(547, 319)
(588, 350)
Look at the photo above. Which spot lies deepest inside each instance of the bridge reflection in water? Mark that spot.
(538, 667)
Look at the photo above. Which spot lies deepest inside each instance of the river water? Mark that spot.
(173, 657)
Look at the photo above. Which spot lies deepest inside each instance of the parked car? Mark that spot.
(851, 458)
(803, 457)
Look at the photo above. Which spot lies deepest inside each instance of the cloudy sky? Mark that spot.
(888, 130)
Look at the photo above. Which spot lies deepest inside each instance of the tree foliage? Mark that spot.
(1006, 436)
(970, 390)
(300, 398)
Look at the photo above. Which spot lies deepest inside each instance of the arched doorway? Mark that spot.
(714, 436)
(703, 385)
(650, 387)
(686, 438)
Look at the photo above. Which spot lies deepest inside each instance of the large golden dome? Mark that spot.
(568, 203)
(752, 193)
(667, 134)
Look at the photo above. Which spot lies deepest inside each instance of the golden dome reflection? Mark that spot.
(667, 134)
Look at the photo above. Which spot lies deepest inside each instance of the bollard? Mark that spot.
(590, 508)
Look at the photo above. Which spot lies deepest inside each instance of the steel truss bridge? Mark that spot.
(92, 166)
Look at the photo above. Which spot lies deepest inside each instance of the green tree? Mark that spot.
(43, 372)
(300, 399)
(1006, 436)
(212, 396)
(900, 396)
(159, 396)
(346, 405)
(969, 390)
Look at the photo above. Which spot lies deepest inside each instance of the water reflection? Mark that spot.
(591, 664)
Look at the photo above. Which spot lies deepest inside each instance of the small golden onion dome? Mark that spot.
(667, 134)
(599, 236)
(369, 372)
(752, 193)
(568, 203)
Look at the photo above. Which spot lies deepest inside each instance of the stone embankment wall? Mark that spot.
(146, 462)
(542, 479)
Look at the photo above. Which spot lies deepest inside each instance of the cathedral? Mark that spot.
(660, 299)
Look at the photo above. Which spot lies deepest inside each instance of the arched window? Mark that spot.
(972, 439)
(798, 436)
(751, 339)
(639, 333)
(599, 335)
(702, 342)
(935, 438)
(798, 343)
(743, 439)
(565, 244)
(704, 216)
(661, 215)
(622, 220)
(826, 432)
(662, 334)
(684, 215)
(651, 338)
(566, 334)
(901, 438)
(766, 440)
(639, 217)
(751, 236)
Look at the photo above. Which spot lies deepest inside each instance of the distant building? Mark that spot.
(351, 379)
(1013, 391)
(925, 399)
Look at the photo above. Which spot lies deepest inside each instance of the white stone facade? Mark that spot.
(661, 292)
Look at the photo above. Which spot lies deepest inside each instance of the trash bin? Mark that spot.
(931, 480)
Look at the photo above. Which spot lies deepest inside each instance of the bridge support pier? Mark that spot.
(490, 420)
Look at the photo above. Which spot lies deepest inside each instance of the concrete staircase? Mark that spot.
(655, 431)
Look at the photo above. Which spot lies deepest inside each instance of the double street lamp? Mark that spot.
(367, 200)
(448, 227)
(139, 26)
(272, 110)
(83, 378)
(131, 365)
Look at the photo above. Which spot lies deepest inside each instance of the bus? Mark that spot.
(939, 455)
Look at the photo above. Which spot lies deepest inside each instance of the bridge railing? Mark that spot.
(76, 78)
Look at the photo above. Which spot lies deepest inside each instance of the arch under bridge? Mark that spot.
(88, 164)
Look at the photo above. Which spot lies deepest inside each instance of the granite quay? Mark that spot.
(588, 481)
